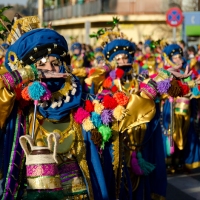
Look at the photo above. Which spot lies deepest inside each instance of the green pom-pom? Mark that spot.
(106, 134)
(145, 66)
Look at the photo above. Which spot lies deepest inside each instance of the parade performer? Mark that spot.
(176, 112)
(133, 166)
(79, 62)
(38, 56)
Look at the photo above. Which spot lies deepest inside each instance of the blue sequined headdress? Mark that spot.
(39, 43)
(171, 50)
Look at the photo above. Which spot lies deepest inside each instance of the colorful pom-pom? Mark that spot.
(98, 107)
(107, 82)
(184, 88)
(89, 106)
(106, 134)
(119, 113)
(96, 137)
(121, 98)
(112, 74)
(195, 91)
(96, 119)
(47, 94)
(106, 116)
(80, 115)
(163, 86)
(25, 94)
(174, 89)
(114, 89)
(36, 90)
(87, 124)
(109, 102)
(119, 73)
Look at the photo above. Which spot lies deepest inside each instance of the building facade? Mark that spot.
(138, 18)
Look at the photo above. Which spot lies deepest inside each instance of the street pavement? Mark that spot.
(184, 186)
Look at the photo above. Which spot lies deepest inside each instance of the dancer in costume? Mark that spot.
(176, 112)
(130, 149)
(79, 62)
(41, 54)
(139, 137)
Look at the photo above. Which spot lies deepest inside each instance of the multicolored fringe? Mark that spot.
(69, 171)
(15, 163)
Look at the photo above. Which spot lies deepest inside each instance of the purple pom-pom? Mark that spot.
(113, 74)
(106, 116)
(163, 86)
(145, 72)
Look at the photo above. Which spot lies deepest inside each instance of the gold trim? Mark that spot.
(64, 54)
(64, 136)
(49, 50)
(115, 143)
(80, 153)
(193, 165)
(65, 90)
(11, 53)
(44, 182)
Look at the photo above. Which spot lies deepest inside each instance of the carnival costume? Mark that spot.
(70, 178)
(133, 166)
(79, 62)
(177, 119)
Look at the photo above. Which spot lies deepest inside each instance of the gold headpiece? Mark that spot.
(163, 43)
(73, 39)
(109, 36)
(104, 36)
(166, 58)
(22, 25)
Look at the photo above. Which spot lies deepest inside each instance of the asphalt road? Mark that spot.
(184, 186)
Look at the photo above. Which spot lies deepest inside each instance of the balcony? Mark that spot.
(114, 7)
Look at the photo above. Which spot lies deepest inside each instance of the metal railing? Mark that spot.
(124, 7)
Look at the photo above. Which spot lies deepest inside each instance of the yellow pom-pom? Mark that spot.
(95, 101)
(98, 108)
(87, 124)
(119, 113)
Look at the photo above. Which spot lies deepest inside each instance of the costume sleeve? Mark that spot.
(8, 82)
(96, 76)
(7, 99)
(80, 71)
(139, 110)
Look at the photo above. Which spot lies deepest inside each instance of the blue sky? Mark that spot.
(5, 2)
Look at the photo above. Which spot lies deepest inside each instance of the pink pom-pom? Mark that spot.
(171, 99)
(80, 115)
(47, 94)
